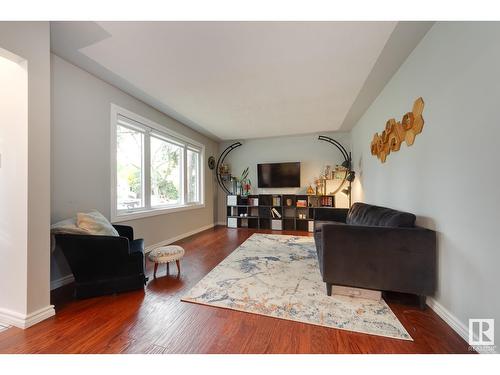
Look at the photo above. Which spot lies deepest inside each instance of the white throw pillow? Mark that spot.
(67, 226)
(95, 223)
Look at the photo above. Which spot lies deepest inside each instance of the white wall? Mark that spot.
(448, 178)
(313, 155)
(13, 182)
(28, 275)
(81, 178)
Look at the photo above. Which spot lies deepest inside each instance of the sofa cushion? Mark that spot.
(330, 214)
(367, 214)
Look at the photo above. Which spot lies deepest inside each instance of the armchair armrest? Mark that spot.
(385, 258)
(125, 231)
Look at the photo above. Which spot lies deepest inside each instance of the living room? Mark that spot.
(249, 187)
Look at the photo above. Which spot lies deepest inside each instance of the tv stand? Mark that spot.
(276, 211)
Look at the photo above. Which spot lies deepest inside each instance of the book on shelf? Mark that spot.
(301, 203)
(327, 201)
(275, 213)
(276, 201)
(253, 201)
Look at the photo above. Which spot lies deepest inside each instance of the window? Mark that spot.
(154, 169)
(166, 172)
(129, 168)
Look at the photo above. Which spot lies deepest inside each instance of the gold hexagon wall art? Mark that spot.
(395, 133)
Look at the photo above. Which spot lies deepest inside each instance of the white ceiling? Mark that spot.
(237, 80)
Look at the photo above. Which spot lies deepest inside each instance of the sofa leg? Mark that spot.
(329, 289)
(421, 302)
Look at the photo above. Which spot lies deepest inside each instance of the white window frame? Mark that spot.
(149, 127)
(200, 195)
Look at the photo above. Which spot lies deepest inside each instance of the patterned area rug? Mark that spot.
(3, 327)
(278, 276)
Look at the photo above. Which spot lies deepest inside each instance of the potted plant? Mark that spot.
(243, 184)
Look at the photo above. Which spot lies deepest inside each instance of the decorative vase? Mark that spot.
(246, 186)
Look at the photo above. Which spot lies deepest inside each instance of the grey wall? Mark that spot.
(81, 156)
(449, 176)
(312, 153)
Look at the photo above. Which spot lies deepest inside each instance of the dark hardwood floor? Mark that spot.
(156, 321)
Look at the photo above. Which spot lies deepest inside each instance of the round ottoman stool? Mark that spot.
(166, 254)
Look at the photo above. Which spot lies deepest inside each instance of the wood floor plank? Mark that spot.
(156, 321)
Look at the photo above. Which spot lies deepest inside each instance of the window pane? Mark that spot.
(166, 173)
(193, 176)
(129, 168)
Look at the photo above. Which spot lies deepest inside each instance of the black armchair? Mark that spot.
(104, 264)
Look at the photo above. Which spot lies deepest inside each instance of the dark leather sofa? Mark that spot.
(375, 248)
(104, 264)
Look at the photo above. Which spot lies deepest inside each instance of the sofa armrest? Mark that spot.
(385, 258)
(125, 231)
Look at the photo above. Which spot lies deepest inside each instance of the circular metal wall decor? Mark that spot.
(347, 164)
(220, 179)
(211, 162)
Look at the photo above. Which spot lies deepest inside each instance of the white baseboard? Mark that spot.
(450, 319)
(177, 238)
(24, 321)
(57, 283)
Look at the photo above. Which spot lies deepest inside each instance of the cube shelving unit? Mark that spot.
(294, 212)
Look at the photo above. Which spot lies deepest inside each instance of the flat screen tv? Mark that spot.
(278, 175)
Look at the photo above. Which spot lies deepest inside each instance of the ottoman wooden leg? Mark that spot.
(178, 267)
(168, 268)
(154, 273)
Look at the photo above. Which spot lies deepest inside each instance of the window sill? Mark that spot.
(127, 216)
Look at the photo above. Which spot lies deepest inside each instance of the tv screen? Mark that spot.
(276, 175)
